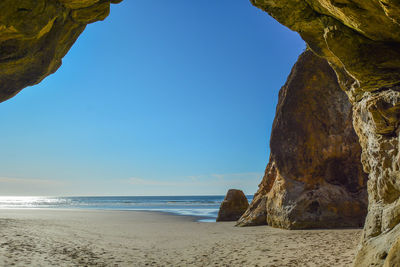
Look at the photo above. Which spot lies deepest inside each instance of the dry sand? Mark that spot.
(131, 238)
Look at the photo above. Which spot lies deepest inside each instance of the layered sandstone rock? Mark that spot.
(36, 35)
(314, 178)
(361, 40)
(233, 206)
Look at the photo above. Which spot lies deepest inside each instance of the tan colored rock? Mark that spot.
(376, 122)
(233, 206)
(359, 38)
(393, 258)
(91, 14)
(36, 35)
(361, 41)
(77, 4)
(314, 178)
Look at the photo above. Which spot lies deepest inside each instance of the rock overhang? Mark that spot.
(36, 35)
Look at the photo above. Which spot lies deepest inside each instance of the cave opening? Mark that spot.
(156, 93)
(81, 133)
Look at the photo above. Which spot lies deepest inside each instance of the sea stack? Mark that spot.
(233, 206)
(314, 178)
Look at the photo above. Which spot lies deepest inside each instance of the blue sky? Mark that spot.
(162, 98)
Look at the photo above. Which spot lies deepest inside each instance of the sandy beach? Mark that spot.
(132, 238)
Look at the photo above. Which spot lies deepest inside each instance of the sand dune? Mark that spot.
(130, 238)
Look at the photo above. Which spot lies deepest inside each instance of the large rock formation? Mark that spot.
(359, 38)
(233, 206)
(361, 41)
(393, 258)
(36, 35)
(314, 178)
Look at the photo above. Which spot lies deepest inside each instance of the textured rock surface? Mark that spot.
(314, 178)
(375, 120)
(361, 40)
(233, 206)
(393, 258)
(36, 35)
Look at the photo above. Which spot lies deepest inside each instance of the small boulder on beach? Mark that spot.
(233, 206)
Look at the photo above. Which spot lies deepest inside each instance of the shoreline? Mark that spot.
(44, 237)
(193, 218)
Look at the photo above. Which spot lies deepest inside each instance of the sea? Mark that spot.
(205, 208)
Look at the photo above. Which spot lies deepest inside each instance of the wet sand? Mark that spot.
(133, 238)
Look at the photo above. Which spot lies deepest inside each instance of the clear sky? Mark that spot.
(162, 98)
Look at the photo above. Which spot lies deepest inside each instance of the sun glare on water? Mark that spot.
(11, 202)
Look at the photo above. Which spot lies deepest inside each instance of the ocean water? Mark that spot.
(204, 207)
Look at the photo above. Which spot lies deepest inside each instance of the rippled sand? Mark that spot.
(131, 238)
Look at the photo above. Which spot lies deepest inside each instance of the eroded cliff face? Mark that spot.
(361, 41)
(314, 178)
(36, 35)
(359, 38)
